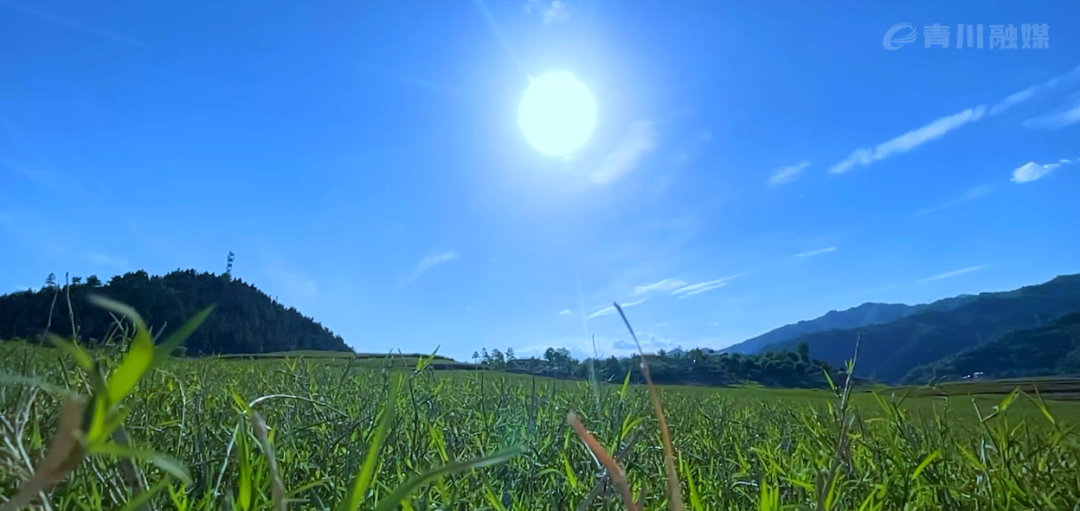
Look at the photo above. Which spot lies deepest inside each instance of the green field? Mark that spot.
(735, 448)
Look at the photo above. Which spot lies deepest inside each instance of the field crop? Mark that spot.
(299, 433)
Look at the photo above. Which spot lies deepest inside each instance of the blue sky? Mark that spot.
(765, 162)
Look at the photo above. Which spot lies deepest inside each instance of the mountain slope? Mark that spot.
(245, 320)
(855, 317)
(888, 351)
(1042, 351)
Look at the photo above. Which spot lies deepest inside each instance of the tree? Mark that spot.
(497, 358)
(476, 357)
(50, 281)
(803, 349)
(93, 281)
(509, 354)
(76, 281)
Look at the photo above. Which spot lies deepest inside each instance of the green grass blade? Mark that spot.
(119, 308)
(423, 362)
(569, 472)
(136, 362)
(34, 382)
(144, 497)
(391, 502)
(1005, 403)
(925, 463)
(367, 469)
(165, 463)
(625, 384)
(76, 352)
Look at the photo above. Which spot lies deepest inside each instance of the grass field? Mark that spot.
(192, 437)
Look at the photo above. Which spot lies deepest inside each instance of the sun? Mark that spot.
(557, 113)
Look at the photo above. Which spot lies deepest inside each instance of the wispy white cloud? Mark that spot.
(663, 285)
(785, 175)
(969, 195)
(819, 251)
(557, 10)
(954, 273)
(106, 260)
(1032, 171)
(701, 287)
(611, 310)
(75, 25)
(429, 262)
(1054, 120)
(565, 312)
(909, 140)
(1027, 94)
(640, 141)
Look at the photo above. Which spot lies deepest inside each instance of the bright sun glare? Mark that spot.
(557, 113)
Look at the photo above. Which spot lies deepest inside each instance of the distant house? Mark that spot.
(677, 353)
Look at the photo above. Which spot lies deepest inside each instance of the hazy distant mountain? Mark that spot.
(855, 317)
(889, 350)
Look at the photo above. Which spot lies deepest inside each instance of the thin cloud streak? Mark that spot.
(607, 311)
(701, 287)
(785, 175)
(954, 273)
(429, 262)
(565, 312)
(1030, 92)
(819, 251)
(1055, 120)
(640, 141)
(968, 196)
(909, 140)
(75, 25)
(663, 285)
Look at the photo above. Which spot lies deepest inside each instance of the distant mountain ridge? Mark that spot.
(867, 314)
(888, 351)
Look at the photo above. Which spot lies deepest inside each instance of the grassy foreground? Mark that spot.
(295, 433)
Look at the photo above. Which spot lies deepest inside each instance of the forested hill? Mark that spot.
(888, 351)
(245, 320)
(1043, 351)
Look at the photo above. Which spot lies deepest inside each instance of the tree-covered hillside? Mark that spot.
(245, 319)
(1043, 351)
(888, 351)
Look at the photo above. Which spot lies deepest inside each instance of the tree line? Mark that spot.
(779, 368)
